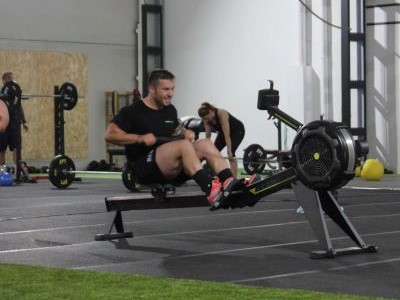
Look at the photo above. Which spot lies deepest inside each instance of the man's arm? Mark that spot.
(116, 135)
(4, 118)
(23, 120)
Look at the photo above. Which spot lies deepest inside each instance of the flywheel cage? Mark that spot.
(324, 155)
(315, 156)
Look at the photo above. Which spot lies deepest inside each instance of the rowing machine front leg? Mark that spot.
(114, 220)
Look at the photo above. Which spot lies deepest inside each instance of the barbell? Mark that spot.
(62, 173)
(68, 94)
(324, 156)
(62, 170)
(256, 157)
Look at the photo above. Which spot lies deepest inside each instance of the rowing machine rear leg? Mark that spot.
(315, 204)
(114, 220)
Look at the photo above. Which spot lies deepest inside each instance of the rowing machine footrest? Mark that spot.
(241, 198)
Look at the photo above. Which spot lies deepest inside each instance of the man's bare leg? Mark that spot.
(185, 155)
(206, 149)
(176, 156)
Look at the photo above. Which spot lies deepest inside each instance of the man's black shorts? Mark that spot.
(146, 171)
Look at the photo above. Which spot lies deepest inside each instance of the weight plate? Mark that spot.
(286, 160)
(59, 169)
(68, 95)
(128, 178)
(252, 159)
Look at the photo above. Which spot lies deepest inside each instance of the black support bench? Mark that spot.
(115, 205)
(114, 152)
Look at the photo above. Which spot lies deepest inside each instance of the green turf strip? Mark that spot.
(88, 175)
(28, 282)
(99, 175)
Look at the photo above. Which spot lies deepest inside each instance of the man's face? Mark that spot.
(163, 92)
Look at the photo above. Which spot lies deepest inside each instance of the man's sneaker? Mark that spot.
(216, 192)
(221, 198)
(228, 186)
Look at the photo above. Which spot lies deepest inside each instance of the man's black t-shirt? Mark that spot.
(138, 118)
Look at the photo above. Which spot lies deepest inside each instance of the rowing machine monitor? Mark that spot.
(268, 97)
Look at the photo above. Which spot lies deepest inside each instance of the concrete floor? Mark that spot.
(266, 245)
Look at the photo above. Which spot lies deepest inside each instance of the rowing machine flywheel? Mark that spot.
(324, 155)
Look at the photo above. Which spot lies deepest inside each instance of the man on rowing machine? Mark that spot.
(137, 127)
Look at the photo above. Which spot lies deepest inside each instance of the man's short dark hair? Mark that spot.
(7, 76)
(159, 74)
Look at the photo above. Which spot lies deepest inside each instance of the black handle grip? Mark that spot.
(166, 139)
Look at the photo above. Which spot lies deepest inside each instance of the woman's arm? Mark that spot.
(207, 130)
(226, 130)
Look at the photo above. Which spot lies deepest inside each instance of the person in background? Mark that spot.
(11, 95)
(139, 127)
(230, 130)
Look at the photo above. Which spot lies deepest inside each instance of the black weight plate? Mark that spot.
(59, 169)
(68, 95)
(128, 178)
(252, 159)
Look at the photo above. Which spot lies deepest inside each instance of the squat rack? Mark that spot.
(65, 98)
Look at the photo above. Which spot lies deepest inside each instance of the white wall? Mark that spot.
(104, 30)
(224, 51)
(383, 92)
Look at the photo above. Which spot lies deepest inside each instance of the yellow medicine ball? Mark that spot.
(372, 170)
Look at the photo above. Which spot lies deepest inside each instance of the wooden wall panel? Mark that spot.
(38, 72)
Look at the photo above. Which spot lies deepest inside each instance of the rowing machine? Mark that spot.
(324, 156)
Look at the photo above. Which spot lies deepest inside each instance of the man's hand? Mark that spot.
(148, 139)
(26, 128)
(180, 130)
(189, 135)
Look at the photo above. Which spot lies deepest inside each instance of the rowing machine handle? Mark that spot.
(165, 139)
